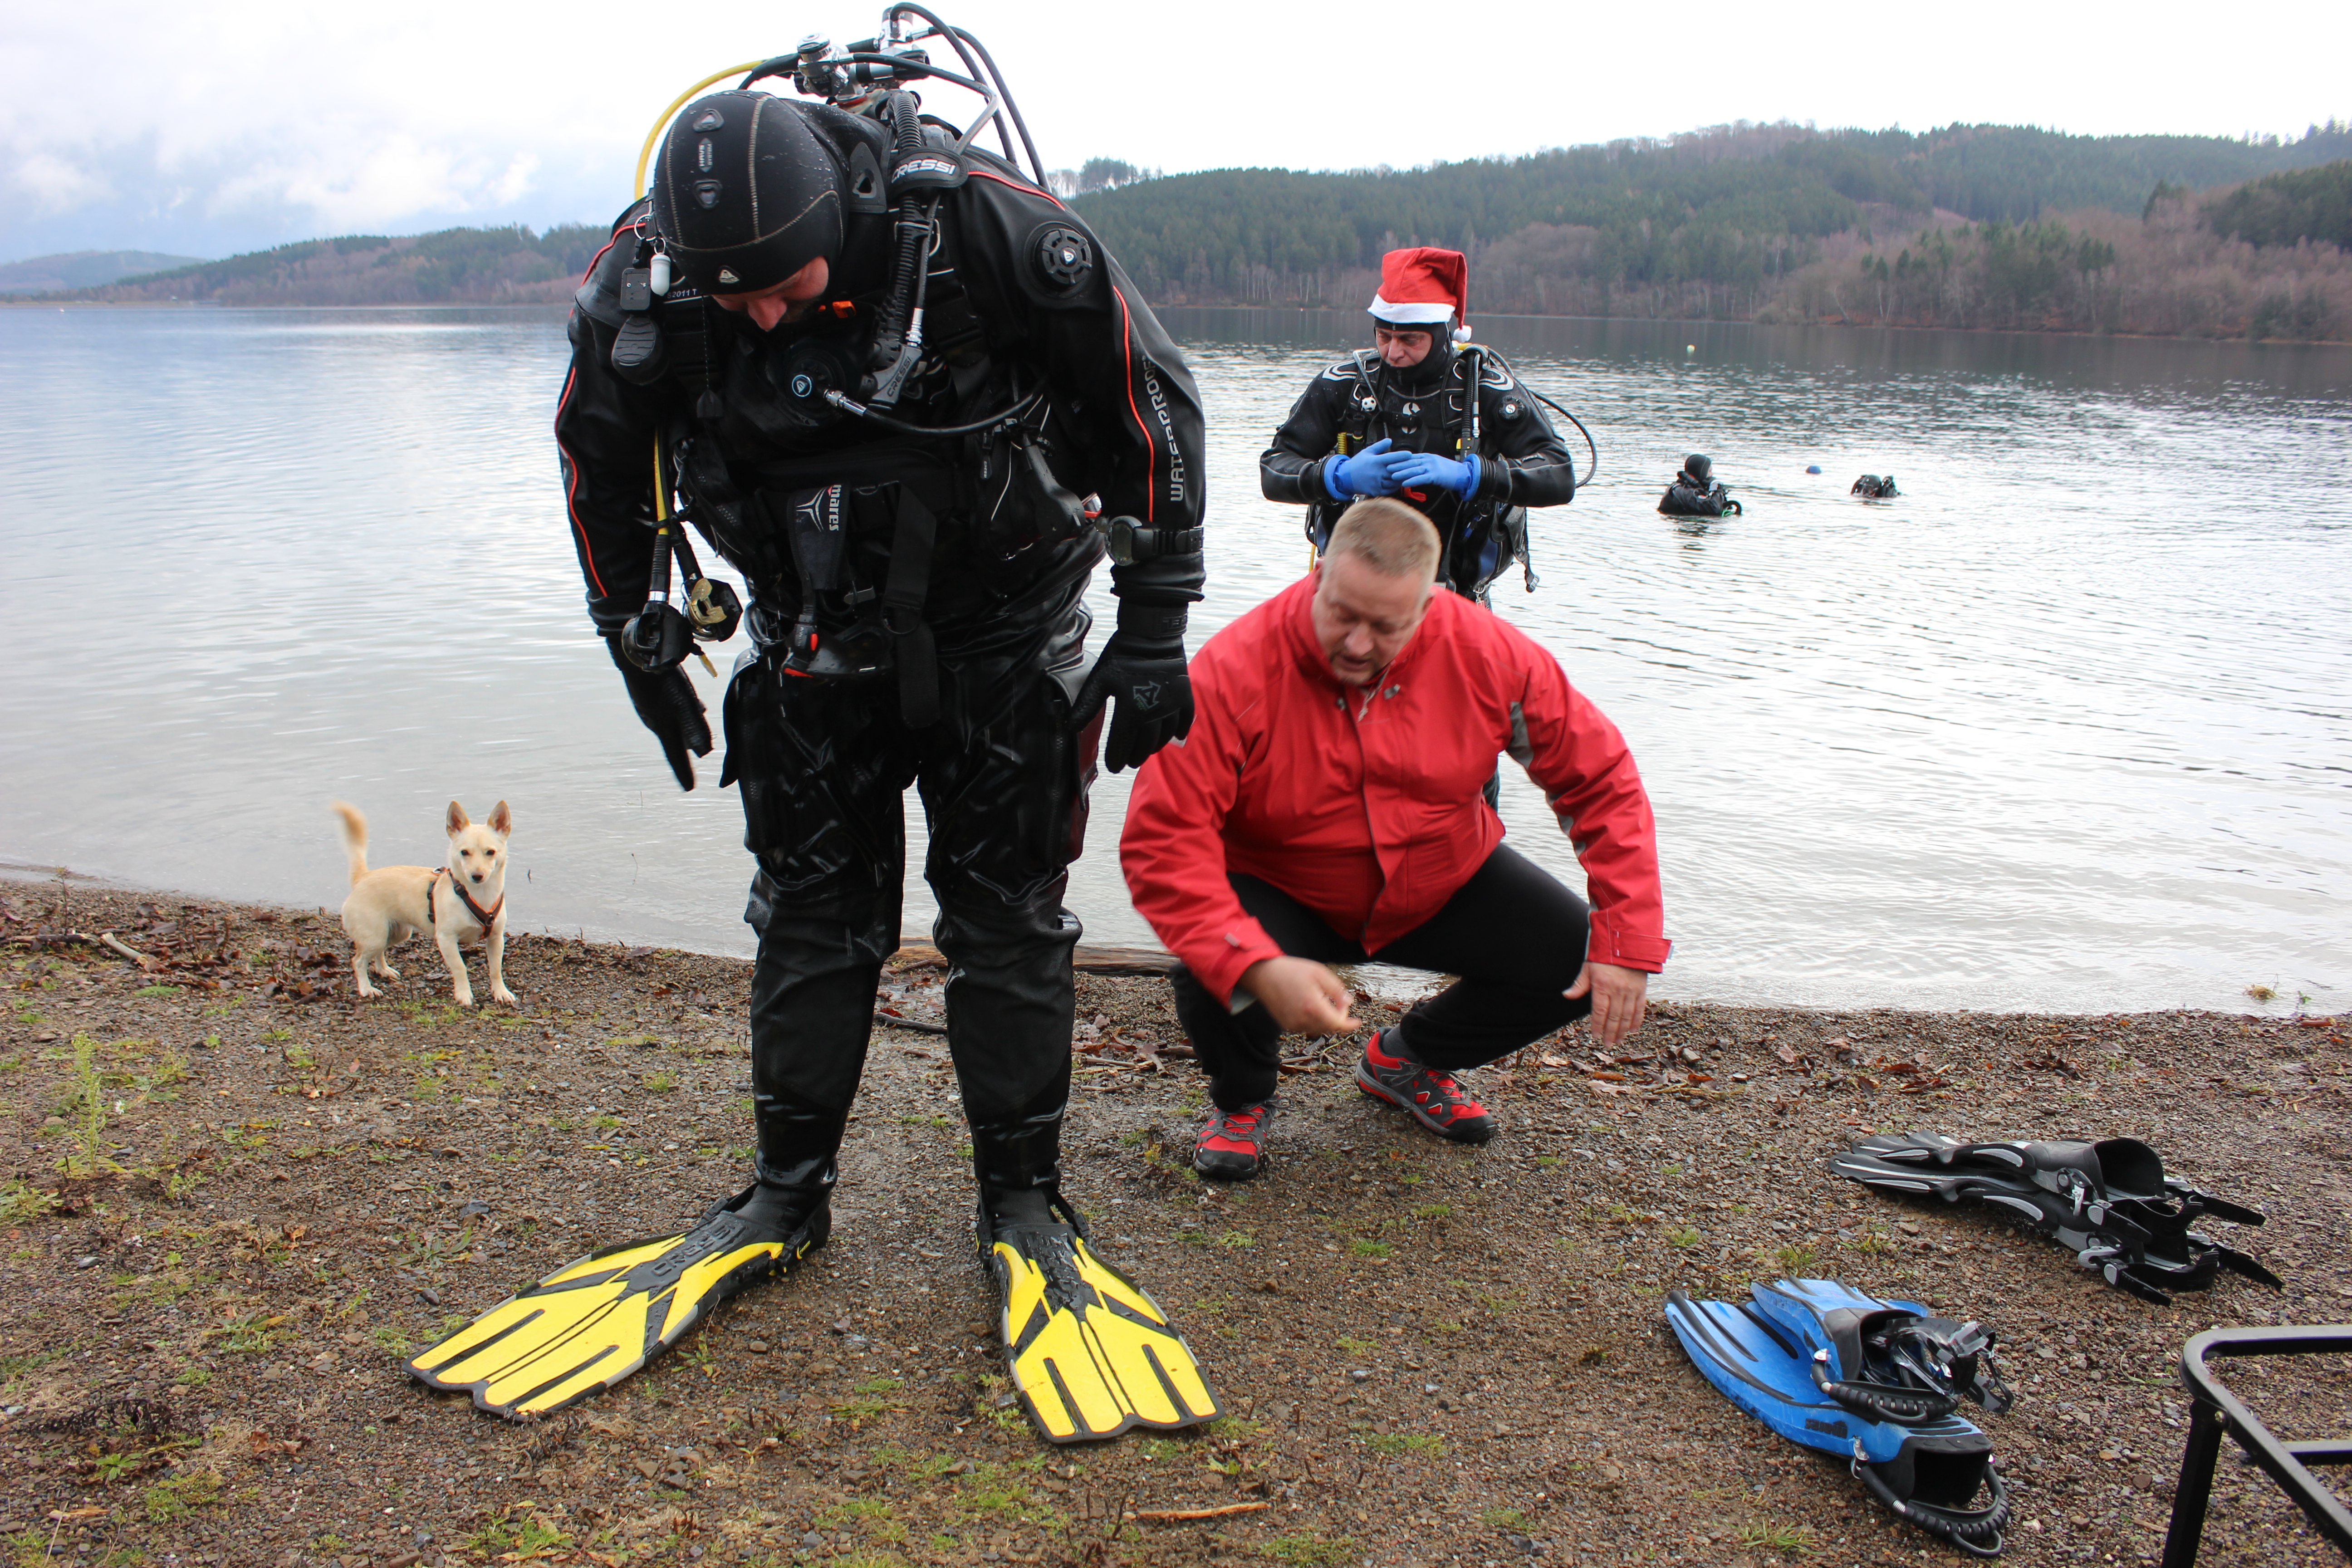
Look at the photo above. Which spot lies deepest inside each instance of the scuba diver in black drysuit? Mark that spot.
(1697, 492)
(1390, 421)
(1870, 487)
(878, 367)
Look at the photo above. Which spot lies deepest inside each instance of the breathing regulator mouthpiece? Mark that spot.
(662, 633)
(656, 637)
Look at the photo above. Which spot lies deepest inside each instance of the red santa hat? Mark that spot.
(1422, 287)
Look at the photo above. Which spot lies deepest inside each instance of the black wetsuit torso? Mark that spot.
(1523, 462)
(1121, 419)
(1685, 498)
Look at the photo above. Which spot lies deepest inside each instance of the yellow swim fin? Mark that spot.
(1091, 1354)
(600, 1318)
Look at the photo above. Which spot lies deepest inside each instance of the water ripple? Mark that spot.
(2064, 726)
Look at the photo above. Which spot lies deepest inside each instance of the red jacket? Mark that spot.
(1375, 822)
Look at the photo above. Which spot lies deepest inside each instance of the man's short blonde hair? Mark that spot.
(1390, 537)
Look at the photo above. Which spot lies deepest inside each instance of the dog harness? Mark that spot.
(473, 908)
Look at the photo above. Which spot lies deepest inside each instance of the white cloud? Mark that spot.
(515, 184)
(241, 123)
(54, 183)
(397, 178)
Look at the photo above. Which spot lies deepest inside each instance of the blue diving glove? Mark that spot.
(1370, 472)
(1435, 470)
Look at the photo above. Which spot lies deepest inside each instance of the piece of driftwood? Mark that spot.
(913, 1026)
(133, 954)
(1171, 1515)
(1089, 959)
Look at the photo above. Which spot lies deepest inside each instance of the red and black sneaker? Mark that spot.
(1230, 1146)
(1429, 1097)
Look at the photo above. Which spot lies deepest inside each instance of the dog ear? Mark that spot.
(501, 820)
(457, 821)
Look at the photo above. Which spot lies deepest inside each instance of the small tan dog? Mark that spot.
(465, 899)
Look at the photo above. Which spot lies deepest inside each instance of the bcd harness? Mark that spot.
(855, 364)
(1479, 522)
(927, 478)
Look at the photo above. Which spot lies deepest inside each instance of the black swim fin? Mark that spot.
(2108, 1202)
(600, 1318)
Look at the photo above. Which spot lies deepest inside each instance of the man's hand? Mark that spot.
(1303, 997)
(1371, 472)
(1142, 666)
(1617, 1000)
(1435, 470)
(667, 704)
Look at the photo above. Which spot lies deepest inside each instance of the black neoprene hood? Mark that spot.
(1415, 380)
(745, 193)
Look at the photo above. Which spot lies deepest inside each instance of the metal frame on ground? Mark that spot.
(2213, 1410)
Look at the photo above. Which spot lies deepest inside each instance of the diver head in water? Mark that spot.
(747, 201)
(1698, 469)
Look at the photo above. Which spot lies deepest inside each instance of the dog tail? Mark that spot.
(354, 838)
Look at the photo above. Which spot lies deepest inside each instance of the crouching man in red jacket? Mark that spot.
(1327, 808)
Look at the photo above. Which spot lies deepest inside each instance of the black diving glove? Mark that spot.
(1142, 666)
(667, 704)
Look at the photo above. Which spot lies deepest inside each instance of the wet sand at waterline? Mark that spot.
(236, 1199)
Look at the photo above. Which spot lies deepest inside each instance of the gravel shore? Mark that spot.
(235, 1199)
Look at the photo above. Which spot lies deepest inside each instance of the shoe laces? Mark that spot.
(1429, 1080)
(1443, 1088)
(1240, 1125)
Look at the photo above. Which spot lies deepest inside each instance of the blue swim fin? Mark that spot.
(1875, 1383)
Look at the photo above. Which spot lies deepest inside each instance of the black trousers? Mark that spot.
(823, 767)
(1513, 933)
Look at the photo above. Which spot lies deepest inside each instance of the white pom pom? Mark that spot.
(1461, 334)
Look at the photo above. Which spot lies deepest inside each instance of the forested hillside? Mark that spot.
(2023, 228)
(1981, 226)
(83, 269)
(454, 266)
(2016, 173)
(1730, 204)
(2287, 209)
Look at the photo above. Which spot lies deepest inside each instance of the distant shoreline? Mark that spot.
(1694, 321)
(552, 305)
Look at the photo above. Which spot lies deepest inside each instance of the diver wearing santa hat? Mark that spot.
(1395, 420)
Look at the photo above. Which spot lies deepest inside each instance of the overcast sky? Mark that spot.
(226, 127)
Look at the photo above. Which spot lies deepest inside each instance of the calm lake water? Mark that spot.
(2065, 727)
